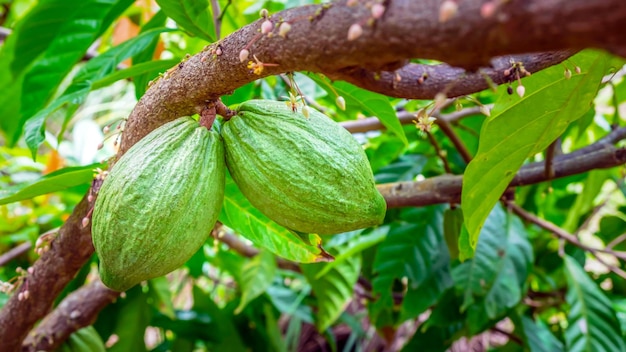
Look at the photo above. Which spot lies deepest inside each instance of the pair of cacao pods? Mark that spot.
(159, 203)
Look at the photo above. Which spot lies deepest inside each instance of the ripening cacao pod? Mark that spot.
(159, 203)
(306, 174)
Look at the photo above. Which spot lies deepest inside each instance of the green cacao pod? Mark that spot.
(306, 174)
(159, 203)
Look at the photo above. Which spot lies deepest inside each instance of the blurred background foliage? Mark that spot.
(404, 283)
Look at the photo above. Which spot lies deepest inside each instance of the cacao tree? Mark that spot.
(493, 130)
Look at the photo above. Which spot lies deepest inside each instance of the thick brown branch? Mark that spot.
(318, 42)
(56, 267)
(77, 310)
(447, 188)
(452, 81)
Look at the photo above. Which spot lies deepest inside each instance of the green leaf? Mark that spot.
(370, 103)
(230, 338)
(493, 281)
(256, 276)
(38, 29)
(592, 321)
(132, 321)
(81, 24)
(53, 182)
(520, 128)
(192, 15)
(432, 339)
(357, 246)
(452, 225)
(162, 296)
(333, 290)
(10, 89)
(135, 70)
(241, 216)
(539, 337)
(141, 81)
(96, 69)
(417, 252)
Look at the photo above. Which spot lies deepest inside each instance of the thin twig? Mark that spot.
(566, 236)
(14, 253)
(454, 138)
(439, 152)
(217, 18)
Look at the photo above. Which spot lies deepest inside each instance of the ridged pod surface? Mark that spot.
(159, 203)
(306, 174)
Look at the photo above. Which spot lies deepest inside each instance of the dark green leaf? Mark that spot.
(432, 339)
(333, 290)
(539, 337)
(229, 337)
(192, 15)
(53, 182)
(592, 322)
(241, 216)
(452, 224)
(132, 320)
(522, 127)
(417, 252)
(148, 54)
(492, 282)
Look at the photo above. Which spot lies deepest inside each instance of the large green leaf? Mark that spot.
(241, 216)
(592, 321)
(81, 24)
(135, 70)
(370, 103)
(192, 15)
(492, 282)
(95, 70)
(522, 127)
(333, 290)
(256, 276)
(53, 182)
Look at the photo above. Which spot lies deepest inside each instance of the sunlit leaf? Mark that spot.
(53, 182)
(592, 323)
(96, 69)
(81, 24)
(192, 15)
(522, 127)
(241, 216)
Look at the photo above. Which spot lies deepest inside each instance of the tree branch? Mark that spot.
(447, 188)
(77, 311)
(68, 252)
